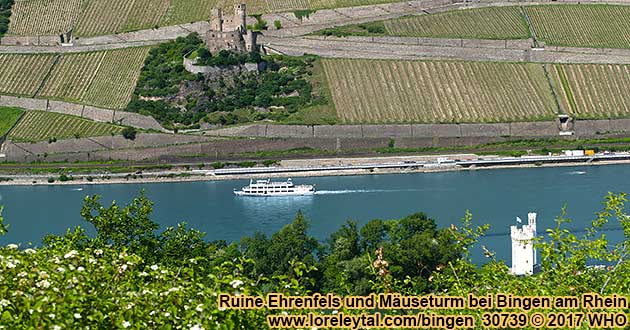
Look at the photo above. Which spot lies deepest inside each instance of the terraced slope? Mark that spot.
(72, 76)
(22, 74)
(100, 17)
(601, 26)
(116, 78)
(482, 23)
(103, 79)
(43, 17)
(592, 90)
(40, 126)
(591, 26)
(379, 91)
(186, 11)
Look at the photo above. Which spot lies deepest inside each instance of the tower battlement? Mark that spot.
(523, 252)
(230, 31)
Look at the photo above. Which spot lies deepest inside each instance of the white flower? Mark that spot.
(126, 324)
(236, 283)
(22, 274)
(92, 261)
(56, 327)
(167, 314)
(154, 267)
(98, 252)
(10, 265)
(43, 284)
(199, 308)
(80, 269)
(4, 303)
(60, 269)
(122, 268)
(29, 251)
(52, 316)
(196, 327)
(70, 254)
(12, 246)
(77, 315)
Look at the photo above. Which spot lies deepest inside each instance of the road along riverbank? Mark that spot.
(325, 167)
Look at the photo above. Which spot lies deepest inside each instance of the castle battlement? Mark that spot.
(230, 31)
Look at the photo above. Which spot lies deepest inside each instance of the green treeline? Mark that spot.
(132, 275)
(5, 14)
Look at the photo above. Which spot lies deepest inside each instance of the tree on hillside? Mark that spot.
(274, 255)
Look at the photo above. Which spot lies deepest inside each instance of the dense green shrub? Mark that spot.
(173, 96)
(5, 14)
(129, 133)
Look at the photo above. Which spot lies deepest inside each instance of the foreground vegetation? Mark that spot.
(595, 26)
(130, 275)
(41, 126)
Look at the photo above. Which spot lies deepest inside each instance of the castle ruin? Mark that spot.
(230, 32)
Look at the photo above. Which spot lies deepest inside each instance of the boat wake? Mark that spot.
(577, 173)
(360, 191)
(77, 189)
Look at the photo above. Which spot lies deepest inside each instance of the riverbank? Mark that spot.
(297, 168)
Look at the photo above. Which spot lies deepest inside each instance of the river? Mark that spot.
(494, 196)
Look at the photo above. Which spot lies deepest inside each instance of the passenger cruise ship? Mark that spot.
(268, 188)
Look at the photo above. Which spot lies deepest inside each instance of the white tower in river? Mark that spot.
(523, 252)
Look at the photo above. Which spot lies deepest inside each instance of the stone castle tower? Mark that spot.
(523, 252)
(230, 31)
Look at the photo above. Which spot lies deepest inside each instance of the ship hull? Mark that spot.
(245, 194)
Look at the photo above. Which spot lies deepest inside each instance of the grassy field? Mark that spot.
(593, 90)
(103, 79)
(482, 23)
(8, 118)
(40, 126)
(379, 91)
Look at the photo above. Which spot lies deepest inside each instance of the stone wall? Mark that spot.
(90, 149)
(522, 44)
(85, 111)
(517, 129)
(524, 129)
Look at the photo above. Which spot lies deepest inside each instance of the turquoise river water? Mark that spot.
(495, 197)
